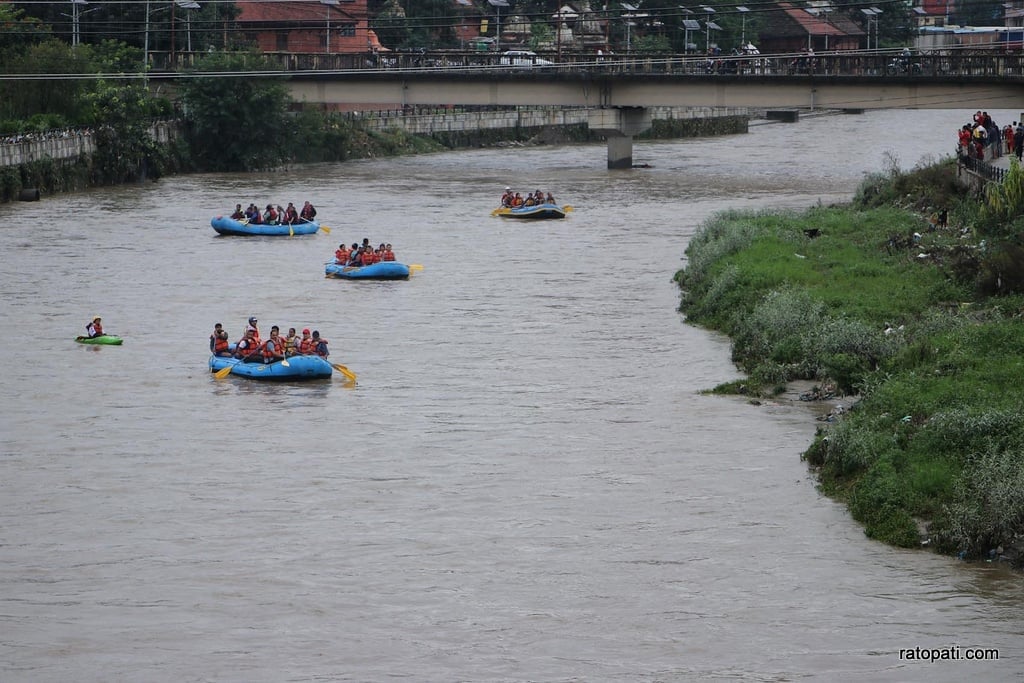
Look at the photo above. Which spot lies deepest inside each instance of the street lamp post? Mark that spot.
(630, 9)
(184, 4)
(707, 28)
(188, 6)
(74, 20)
(497, 5)
(76, 14)
(743, 31)
(327, 43)
(688, 25)
(871, 14)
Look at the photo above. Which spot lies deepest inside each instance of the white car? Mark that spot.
(523, 58)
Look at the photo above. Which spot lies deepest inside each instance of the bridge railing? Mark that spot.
(862, 63)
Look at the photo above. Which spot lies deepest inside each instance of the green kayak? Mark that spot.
(102, 339)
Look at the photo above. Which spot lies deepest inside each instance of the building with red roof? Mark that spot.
(328, 26)
(798, 29)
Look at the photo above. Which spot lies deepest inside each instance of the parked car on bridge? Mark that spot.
(525, 58)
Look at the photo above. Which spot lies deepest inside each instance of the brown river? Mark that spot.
(525, 484)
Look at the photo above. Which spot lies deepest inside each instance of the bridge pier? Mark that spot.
(619, 125)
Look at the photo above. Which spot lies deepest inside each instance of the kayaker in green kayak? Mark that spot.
(94, 329)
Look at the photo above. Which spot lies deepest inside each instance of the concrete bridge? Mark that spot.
(619, 93)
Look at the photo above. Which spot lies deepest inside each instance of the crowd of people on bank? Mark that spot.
(252, 348)
(984, 136)
(274, 214)
(364, 254)
(514, 200)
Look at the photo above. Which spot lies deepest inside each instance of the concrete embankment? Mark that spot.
(25, 161)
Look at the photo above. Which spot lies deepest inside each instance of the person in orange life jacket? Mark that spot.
(291, 343)
(291, 215)
(306, 347)
(94, 328)
(517, 201)
(253, 214)
(341, 254)
(256, 330)
(221, 347)
(388, 254)
(248, 349)
(217, 329)
(308, 213)
(270, 216)
(506, 198)
(367, 256)
(320, 345)
(238, 214)
(273, 348)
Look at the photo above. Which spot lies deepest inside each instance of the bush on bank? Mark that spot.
(922, 323)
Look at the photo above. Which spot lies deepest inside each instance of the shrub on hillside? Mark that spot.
(988, 509)
(1002, 271)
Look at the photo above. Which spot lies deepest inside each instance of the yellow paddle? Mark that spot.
(291, 230)
(498, 212)
(567, 208)
(327, 231)
(345, 371)
(415, 266)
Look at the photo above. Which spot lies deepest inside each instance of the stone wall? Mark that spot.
(67, 144)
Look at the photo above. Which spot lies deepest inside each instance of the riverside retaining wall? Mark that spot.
(16, 150)
(71, 144)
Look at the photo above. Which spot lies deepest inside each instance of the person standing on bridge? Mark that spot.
(1018, 140)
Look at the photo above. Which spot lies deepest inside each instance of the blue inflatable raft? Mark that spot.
(290, 369)
(537, 211)
(382, 270)
(229, 226)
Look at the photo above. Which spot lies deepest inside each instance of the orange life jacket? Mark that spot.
(246, 347)
(306, 346)
(220, 346)
(272, 349)
(389, 255)
(367, 258)
(341, 256)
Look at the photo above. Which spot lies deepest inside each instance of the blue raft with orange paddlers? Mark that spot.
(225, 225)
(382, 270)
(290, 369)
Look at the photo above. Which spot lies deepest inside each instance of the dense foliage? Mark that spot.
(236, 123)
(878, 301)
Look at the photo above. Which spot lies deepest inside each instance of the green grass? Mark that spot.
(937, 359)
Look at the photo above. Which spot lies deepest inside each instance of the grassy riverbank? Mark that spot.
(921, 323)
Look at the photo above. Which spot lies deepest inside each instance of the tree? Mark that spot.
(979, 13)
(125, 151)
(58, 100)
(225, 115)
